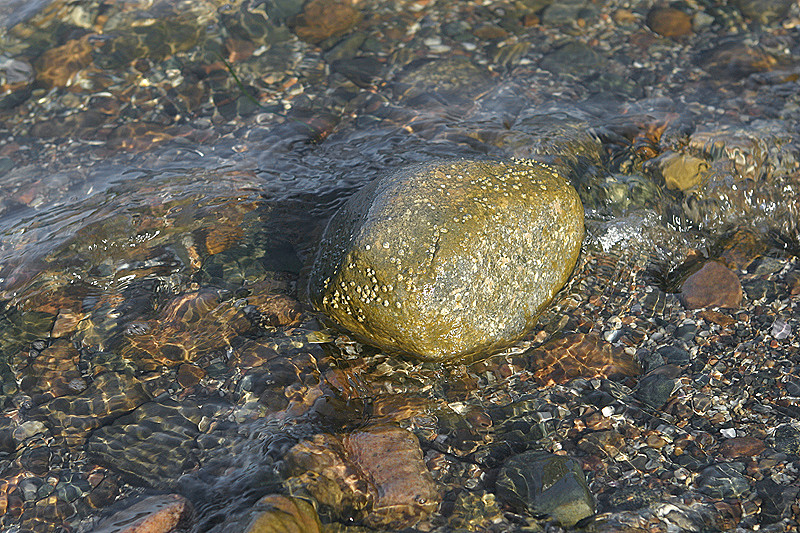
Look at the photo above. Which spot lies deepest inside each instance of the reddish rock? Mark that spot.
(322, 19)
(714, 285)
(401, 486)
(742, 447)
(156, 514)
(376, 474)
(190, 375)
(669, 22)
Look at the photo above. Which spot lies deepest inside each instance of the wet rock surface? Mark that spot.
(156, 514)
(714, 285)
(376, 475)
(449, 260)
(279, 514)
(546, 484)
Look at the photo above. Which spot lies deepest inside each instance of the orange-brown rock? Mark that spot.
(741, 248)
(322, 19)
(736, 60)
(742, 447)
(221, 238)
(66, 322)
(717, 318)
(56, 66)
(252, 354)
(490, 31)
(603, 443)
(580, 355)
(669, 22)
(279, 310)
(714, 285)
(156, 514)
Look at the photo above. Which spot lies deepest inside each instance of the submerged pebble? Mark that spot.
(156, 514)
(714, 285)
(546, 484)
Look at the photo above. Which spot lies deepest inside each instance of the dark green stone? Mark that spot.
(546, 484)
(447, 260)
(655, 390)
(787, 439)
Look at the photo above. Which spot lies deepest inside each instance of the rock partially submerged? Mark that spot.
(448, 260)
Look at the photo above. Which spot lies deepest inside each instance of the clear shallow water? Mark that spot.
(136, 169)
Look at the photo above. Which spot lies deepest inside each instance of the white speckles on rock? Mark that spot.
(447, 261)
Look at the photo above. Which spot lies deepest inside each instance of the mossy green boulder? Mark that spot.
(451, 259)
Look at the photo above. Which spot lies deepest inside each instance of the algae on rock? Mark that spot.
(448, 260)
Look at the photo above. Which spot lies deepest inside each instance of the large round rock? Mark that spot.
(446, 260)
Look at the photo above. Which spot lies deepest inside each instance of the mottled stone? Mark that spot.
(656, 388)
(278, 514)
(278, 310)
(787, 439)
(447, 260)
(474, 511)
(714, 285)
(723, 480)
(156, 514)
(454, 78)
(543, 483)
(322, 19)
(109, 396)
(580, 355)
(57, 66)
(575, 58)
(603, 443)
(66, 322)
(741, 248)
(135, 445)
(669, 22)
(764, 11)
(742, 447)
(52, 373)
